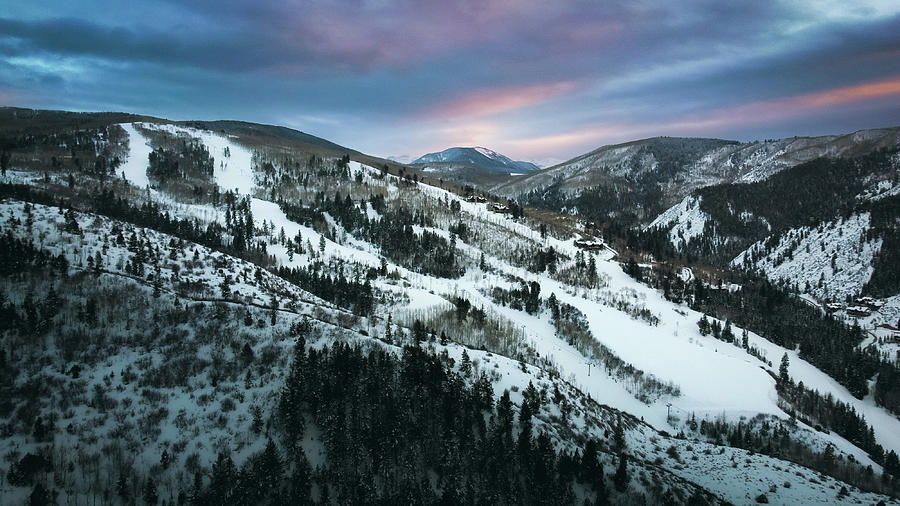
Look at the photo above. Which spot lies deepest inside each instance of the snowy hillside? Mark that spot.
(685, 221)
(831, 261)
(610, 327)
(657, 173)
(223, 319)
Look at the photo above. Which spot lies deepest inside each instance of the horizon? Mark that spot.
(412, 158)
(536, 82)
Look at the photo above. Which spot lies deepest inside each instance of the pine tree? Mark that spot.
(621, 478)
(892, 464)
(122, 486)
(271, 467)
(619, 442)
(525, 428)
(704, 326)
(223, 480)
(465, 366)
(728, 334)
(150, 495)
(4, 162)
(553, 304)
(388, 333)
(783, 377)
(157, 282)
(39, 494)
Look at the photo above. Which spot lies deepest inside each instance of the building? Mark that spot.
(870, 302)
(834, 306)
(590, 244)
(887, 332)
(858, 311)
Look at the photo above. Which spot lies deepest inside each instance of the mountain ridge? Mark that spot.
(477, 156)
(650, 175)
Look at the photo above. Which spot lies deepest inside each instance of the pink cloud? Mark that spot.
(490, 101)
(9, 97)
(757, 112)
(706, 123)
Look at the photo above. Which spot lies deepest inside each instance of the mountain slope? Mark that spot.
(476, 166)
(828, 226)
(648, 176)
(445, 299)
(479, 157)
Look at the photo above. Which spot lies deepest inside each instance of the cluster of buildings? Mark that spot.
(861, 307)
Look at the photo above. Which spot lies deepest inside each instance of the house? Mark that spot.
(870, 302)
(590, 244)
(858, 311)
(499, 208)
(833, 306)
(888, 332)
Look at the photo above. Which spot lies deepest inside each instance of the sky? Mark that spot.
(535, 80)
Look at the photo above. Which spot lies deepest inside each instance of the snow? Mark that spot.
(716, 379)
(232, 172)
(708, 372)
(804, 256)
(685, 221)
(135, 166)
(490, 153)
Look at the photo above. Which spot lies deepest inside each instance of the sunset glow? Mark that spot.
(536, 79)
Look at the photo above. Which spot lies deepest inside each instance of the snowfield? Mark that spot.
(134, 169)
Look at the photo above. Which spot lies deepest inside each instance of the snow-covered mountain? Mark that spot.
(827, 227)
(478, 157)
(190, 307)
(651, 175)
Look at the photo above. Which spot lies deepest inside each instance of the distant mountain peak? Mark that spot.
(477, 156)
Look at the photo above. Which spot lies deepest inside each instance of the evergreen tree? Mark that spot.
(619, 441)
(591, 469)
(704, 326)
(783, 377)
(150, 495)
(4, 162)
(122, 486)
(39, 494)
(621, 478)
(728, 334)
(223, 480)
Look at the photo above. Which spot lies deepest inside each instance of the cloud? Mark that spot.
(769, 110)
(490, 101)
(551, 76)
(707, 123)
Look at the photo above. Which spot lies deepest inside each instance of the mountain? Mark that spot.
(477, 166)
(228, 312)
(479, 157)
(829, 226)
(404, 159)
(636, 181)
